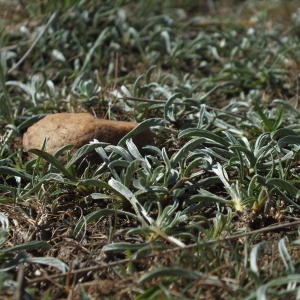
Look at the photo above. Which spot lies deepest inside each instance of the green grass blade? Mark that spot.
(207, 200)
(120, 151)
(133, 150)
(96, 183)
(30, 121)
(32, 245)
(96, 215)
(131, 169)
(286, 257)
(52, 160)
(279, 118)
(254, 257)
(288, 140)
(247, 152)
(5, 102)
(123, 247)
(141, 127)
(204, 134)
(82, 151)
(288, 106)
(169, 108)
(282, 132)
(125, 192)
(12, 263)
(4, 221)
(14, 172)
(49, 261)
(283, 185)
(99, 42)
(189, 146)
(267, 123)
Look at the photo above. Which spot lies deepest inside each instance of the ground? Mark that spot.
(211, 211)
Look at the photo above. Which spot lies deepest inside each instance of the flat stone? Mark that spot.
(79, 129)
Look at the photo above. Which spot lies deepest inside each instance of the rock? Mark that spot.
(79, 129)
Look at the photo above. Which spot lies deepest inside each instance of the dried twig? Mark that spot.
(19, 293)
(53, 16)
(141, 259)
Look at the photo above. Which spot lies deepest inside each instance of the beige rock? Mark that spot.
(79, 129)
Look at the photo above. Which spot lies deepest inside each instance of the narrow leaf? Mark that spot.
(119, 150)
(254, 256)
(205, 134)
(283, 185)
(248, 153)
(141, 127)
(282, 132)
(5, 102)
(122, 247)
(14, 172)
(169, 107)
(30, 121)
(125, 192)
(14, 262)
(27, 246)
(285, 256)
(208, 199)
(4, 221)
(84, 150)
(131, 169)
(189, 146)
(288, 140)
(96, 183)
(96, 215)
(264, 118)
(52, 160)
(133, 150)
(49, 261)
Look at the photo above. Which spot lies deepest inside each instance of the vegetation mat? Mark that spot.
(211, 211)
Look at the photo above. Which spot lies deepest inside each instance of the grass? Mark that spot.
(211, 211)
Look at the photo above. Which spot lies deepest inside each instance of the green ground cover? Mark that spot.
(211, 211)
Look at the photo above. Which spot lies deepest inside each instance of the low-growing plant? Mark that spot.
(186, 217)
